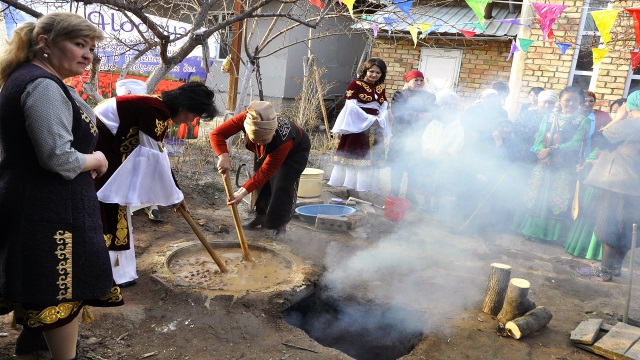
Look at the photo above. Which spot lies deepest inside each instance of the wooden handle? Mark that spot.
(575, 205)
(202, 239)
(236, 217)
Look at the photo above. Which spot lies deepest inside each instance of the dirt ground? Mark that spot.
(422, 265)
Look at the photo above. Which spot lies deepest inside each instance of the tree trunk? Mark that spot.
(516, 302)
(496, 288)
(533, 320)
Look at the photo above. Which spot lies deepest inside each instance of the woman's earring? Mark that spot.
(46, 56)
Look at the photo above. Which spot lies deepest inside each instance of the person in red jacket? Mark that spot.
(282, 150)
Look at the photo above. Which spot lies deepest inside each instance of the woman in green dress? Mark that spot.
(545, 214)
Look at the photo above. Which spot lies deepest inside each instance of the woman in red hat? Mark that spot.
(410, 109)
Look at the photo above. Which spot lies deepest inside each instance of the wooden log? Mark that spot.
(586, 331)
(533, 320)
(516, 302)
(496, 288)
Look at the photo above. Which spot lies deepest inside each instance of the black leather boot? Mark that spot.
(280, 232)
(256, 222)
(30, 341)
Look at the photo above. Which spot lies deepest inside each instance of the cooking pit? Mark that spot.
(190, 265)
(364, 331)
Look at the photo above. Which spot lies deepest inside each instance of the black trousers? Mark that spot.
(279, 195)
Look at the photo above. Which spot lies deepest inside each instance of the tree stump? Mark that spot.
(516, 302)
(533, 320)
(496, 288)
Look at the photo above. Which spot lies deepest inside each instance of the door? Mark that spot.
(441, 67)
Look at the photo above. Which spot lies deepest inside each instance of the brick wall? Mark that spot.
(483, 62)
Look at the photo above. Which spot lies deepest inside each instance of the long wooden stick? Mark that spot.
(320, 95)
(634, 239)
(202, 239)
(575, 205)
(486, 197)
(236, 217)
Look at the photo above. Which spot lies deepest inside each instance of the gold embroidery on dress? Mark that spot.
(107, 239)
(349, 93)
(379, 88)
(160, 126)
(114, 295)
(63, 252)
(364, 85)
(92, 125)
(365, 97)
(132, 140)
(50, 314)
(123, 229)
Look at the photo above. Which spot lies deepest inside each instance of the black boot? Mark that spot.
(30, 341)
(256, 222)
(280, 232)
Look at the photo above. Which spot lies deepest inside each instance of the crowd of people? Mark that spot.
(70, 175)
(471, 165)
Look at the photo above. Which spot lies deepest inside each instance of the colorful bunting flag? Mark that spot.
(479, 26)
(404, 5)
(424, 26)
(604, 20)
(563, 47)
(389, 22)
(548, 14)
(349, 4)
(514, 49)
(551, 36)
(414, 34)
(317, 3)
(635, 14)
(512, 21)
(374, 27)
(635, 59)
(524, 44)
(468, 34)
(598, 55)
(478, 8)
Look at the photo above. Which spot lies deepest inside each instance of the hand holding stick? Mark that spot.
(236, 216)
(202, 239)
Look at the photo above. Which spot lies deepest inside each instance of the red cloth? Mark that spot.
(272, 161)
(412, 74)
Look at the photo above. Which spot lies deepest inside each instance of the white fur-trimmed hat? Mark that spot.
(131, 86)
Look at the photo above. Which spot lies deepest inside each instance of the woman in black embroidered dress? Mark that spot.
(53, 257)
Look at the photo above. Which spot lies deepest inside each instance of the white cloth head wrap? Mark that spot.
(547, 95)
(261, 121)
(130, 86)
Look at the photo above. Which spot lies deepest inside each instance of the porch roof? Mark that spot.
(451, 19)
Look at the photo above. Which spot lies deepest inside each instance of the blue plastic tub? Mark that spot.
(309, 213)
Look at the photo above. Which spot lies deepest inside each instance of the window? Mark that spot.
(583, 73)
(633, 81)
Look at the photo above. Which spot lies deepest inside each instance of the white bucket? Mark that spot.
(310, 183)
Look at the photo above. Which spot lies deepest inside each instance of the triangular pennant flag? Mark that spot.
(468, 34)
(563, 47)
(366, 17)
(414, 34)
(524, 44)
(317, 3)
(604, 20)
(598, 55)
(389, 22)
(478, 26)
(424, 26)
(374, 27)
(551, 36)
(635, 14)
(349, 4)
(511, 21)
(403, 5)
(548, 14)
(478, 8)
(635, 59)
(514, 49)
